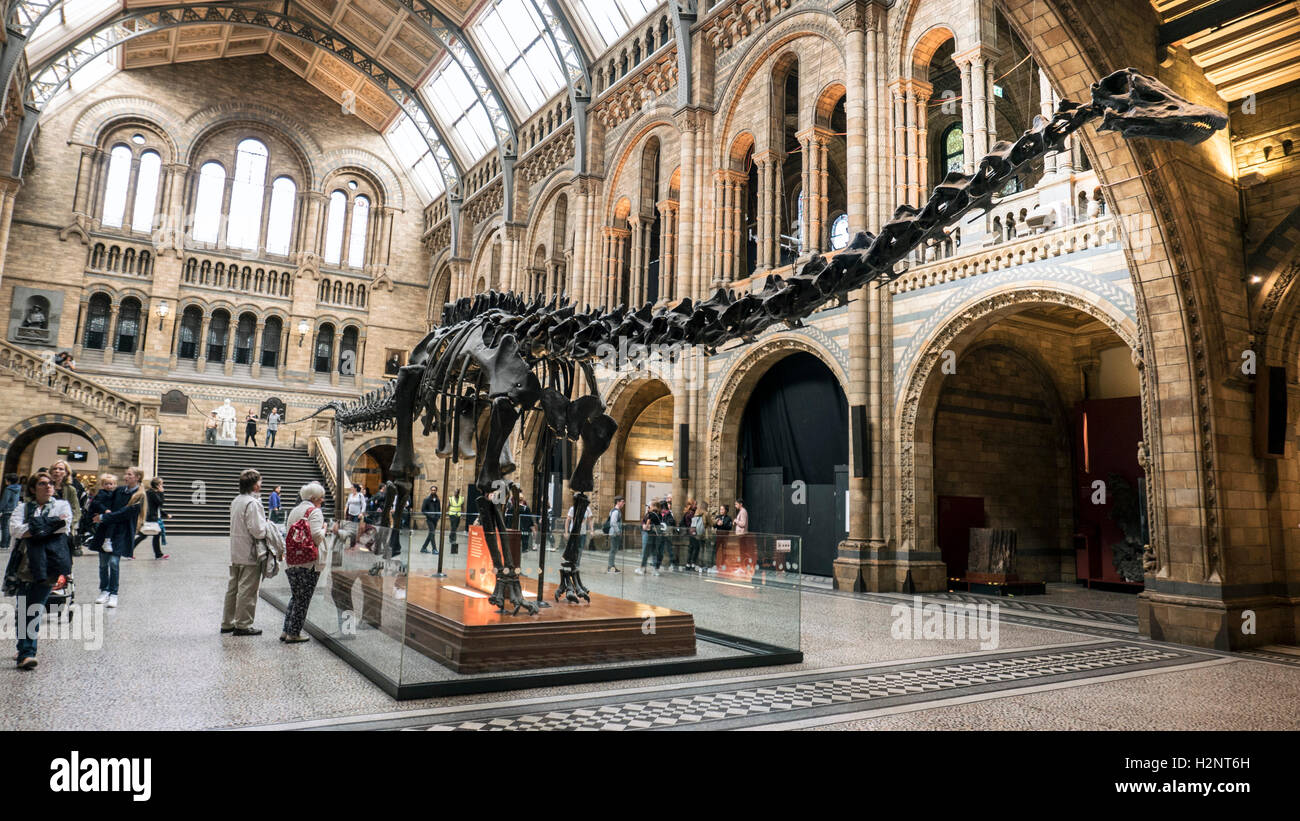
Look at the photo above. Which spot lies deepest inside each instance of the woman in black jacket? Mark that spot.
(154, 502)
(42, 553)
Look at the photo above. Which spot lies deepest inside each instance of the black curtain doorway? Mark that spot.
(795, 429)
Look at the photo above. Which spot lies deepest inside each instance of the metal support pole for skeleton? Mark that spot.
(442, 519)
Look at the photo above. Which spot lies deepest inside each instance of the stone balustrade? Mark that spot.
(42, 372)
(1054, 243)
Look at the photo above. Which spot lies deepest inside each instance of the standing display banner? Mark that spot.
(479, 572)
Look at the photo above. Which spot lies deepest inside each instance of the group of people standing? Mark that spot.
(659, 526)
(50, 516)
(273, 421)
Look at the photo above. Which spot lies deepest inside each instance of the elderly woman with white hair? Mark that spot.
(303, 571)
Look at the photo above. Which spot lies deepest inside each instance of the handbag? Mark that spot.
(151, 529)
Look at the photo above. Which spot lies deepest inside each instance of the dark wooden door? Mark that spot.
(957, 515)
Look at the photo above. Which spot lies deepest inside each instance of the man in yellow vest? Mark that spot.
(455, 505)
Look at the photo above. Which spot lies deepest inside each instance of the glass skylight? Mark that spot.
(607, 20)
(414, 155)
(516, 46)
(459, 109)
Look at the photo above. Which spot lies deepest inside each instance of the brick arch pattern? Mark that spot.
(915, 410)
(360, 449)
(205, 121)
(358, 160)
(736, 386)
(789, 27)
(94, 120)
(50, 419)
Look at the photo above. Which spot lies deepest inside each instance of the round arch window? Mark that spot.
(840, 232)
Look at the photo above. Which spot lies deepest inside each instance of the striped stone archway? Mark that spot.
(34, 427)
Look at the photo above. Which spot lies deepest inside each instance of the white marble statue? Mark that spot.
(226, 416)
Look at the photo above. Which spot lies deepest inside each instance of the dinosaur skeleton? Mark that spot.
(497, 356)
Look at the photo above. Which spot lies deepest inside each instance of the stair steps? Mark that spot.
(204, 510)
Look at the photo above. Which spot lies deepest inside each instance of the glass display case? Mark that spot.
(419, 624)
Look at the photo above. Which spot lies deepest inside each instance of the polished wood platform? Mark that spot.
(468, 635)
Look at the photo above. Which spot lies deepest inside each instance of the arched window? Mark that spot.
(361, 296)
(146, 192)
(244, 332)
(119, 177)
(357, 240)
(246, 193)
(954, 148)
(324, 348)
(96, 322)
(334, 227)
(207, 202)
(218, 334)
(348, 362)
(840, 232)
(128, 326)
(191, 326)
(279, 229)
(271, 342)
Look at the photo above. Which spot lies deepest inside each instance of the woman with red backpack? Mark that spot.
(302, 558)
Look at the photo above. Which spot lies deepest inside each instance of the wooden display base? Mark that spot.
(466, 634)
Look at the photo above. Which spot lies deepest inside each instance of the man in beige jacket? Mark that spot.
(248, 525)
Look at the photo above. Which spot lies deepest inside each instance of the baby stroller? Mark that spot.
(62, 595)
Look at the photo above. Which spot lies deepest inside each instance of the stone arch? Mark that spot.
(827, 99)
(626, 399)
(361, 161)
(439, 292)
(757, 57)
(737, 384)
(1169, 257)
(360, 449)
(627, 152)
(740, 147)
(18, 436)
(96, 119)
(199, 125)
(924, 47)
(921, 391)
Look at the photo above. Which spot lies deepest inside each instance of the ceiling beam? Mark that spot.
(1211, 17)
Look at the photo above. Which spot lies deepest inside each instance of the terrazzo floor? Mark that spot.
(162, 664)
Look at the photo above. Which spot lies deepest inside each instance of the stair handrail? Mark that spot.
(42, 372)
(322, 450)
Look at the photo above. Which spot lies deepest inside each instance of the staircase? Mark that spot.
(207, 513)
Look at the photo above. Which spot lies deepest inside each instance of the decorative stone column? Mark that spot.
(992, 98)
(636, 271)
(1045, 108)
(110, 338)
(334, 354)
(255, 359)
(900, 142)
(852, 18)
(967, 117)
(923, 92)
(689, 123)
(667, 248)
(201, 359)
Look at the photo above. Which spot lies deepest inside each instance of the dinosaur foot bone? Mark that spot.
(571, 586)
(508, 591)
